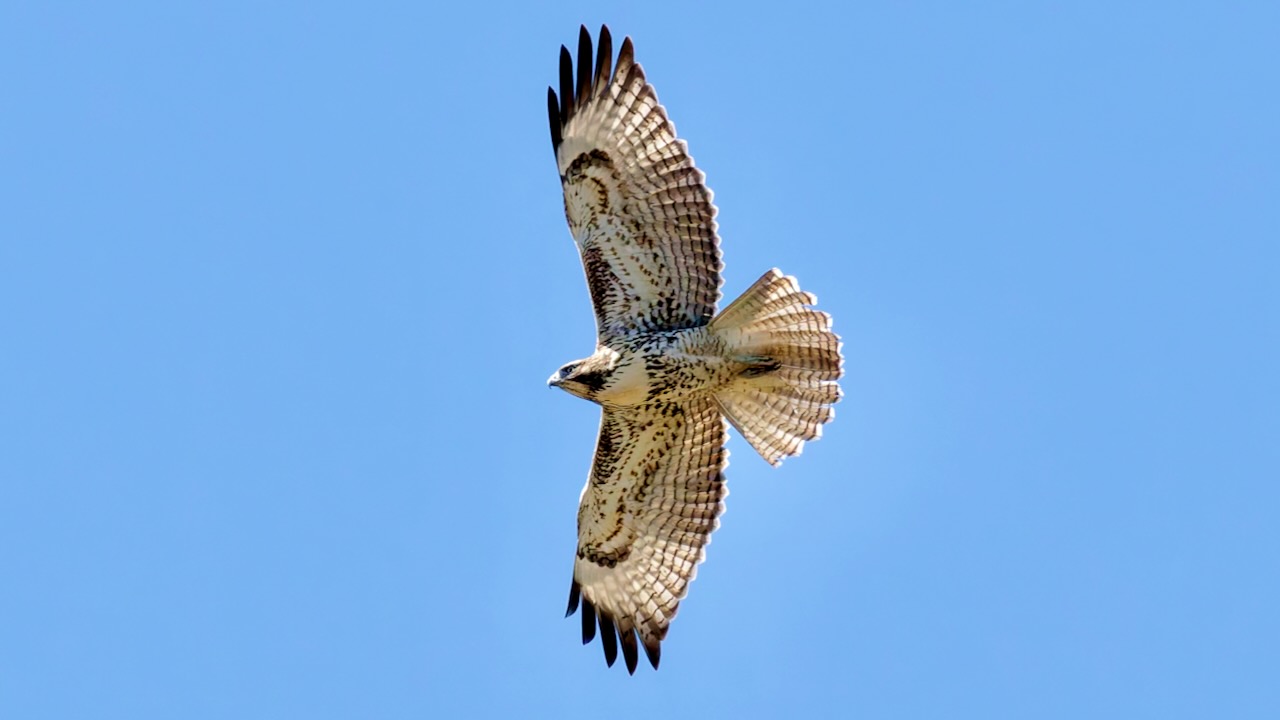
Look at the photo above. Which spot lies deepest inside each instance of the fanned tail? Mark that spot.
(790, 362)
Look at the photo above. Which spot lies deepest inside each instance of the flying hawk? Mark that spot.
(667, 370)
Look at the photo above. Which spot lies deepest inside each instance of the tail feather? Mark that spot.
(791, 361)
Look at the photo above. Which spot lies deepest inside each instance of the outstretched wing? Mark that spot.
(654, 497)
(638, 209)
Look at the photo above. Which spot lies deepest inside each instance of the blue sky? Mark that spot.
(280, 286)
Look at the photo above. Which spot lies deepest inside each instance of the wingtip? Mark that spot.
(609, 640)
(580, 87)
(653, 651)
(566, 84)
(588, 622)
(553, 114)
(575, 592)
(630, 653)
(604, 61)
(585, 66)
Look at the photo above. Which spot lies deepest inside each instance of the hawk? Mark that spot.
(667, 370)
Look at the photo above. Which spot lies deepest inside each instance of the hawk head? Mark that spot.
(586, 378)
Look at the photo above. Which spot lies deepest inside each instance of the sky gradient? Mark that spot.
(281, 283)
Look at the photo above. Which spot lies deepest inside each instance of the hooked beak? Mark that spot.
(554, 380)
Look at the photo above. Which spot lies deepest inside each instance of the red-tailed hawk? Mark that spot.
(667, 370)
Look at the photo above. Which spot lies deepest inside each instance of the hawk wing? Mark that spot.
(654, 497)
(638, 209)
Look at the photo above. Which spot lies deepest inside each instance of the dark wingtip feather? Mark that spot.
(628, 52)
(574, 593)
(584, 65)
(553, 113)
(574, 92)
(629, 651)
(588, 621)
(608, 639)
(566, 85)
(653, 650)
(604, 59)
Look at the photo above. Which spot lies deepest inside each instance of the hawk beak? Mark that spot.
(554, 380)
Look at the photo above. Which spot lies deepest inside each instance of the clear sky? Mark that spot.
(281, 284)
